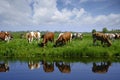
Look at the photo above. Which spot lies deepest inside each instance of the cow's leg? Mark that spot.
(94, 41)
(102, 42)
(29, 40)
(69, 40)
(64, 41)
(7, 39)
(109, 42)
(45, 42)
(38, 40)
(53, 40)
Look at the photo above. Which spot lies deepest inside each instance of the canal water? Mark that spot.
(59, 70)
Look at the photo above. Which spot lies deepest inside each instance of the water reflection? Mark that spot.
(59, 69)
(33, 65)
(4, 67)
(101, 67)
(63, 67)
(48, 66)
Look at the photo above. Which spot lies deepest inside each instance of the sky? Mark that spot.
(59, 15)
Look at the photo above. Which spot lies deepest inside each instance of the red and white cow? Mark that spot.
(63, 38)
(6, 36)
(33, 35)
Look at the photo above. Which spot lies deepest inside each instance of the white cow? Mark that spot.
(77, 36)
(111, 36)
(33, 35)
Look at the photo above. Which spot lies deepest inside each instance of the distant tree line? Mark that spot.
(105, 30)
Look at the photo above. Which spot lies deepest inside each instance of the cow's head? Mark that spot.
(59, 43)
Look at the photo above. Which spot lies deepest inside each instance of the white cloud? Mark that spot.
(45, 12)
(14, 13)
(82, 1)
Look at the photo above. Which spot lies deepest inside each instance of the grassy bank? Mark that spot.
(77, 48)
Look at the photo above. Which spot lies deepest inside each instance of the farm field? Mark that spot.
(76, 48)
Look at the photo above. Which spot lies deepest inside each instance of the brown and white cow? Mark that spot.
(49, 36)
(117, 35)
(33, 35)
(77, 36)
(101, 37)
(111, 36)
(6, 36)
(63, 38)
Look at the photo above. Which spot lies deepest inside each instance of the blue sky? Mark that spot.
(59, 15)
(95, 7)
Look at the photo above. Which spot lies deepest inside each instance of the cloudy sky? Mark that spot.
(59, 15)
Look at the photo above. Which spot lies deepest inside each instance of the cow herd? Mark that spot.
(105, 38)
(62, 39)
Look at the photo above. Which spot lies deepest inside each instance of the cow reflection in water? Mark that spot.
(4, 67)
(33, 65)
(63, 67)
(101, 68)
(48, 66)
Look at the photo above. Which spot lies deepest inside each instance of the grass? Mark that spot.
(77, 48)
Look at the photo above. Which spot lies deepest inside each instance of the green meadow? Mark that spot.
(18, 47)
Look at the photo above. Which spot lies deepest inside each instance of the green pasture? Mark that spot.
(76, 48)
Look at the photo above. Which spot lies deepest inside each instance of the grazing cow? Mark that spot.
(6, 36)
(30, 36)
(63, 67)
(101, 37)
(60, 35)
(49, 36)
(63, 38)
(101, 68)
(77, 36)
(111, 36)
(117, 35)
(48, 66)
(37, 36)
(33, 65)
(4, 67)
(33, 35)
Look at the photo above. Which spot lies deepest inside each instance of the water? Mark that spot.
(44, 70)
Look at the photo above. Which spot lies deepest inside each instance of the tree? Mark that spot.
(105, 30)
(93, 30)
